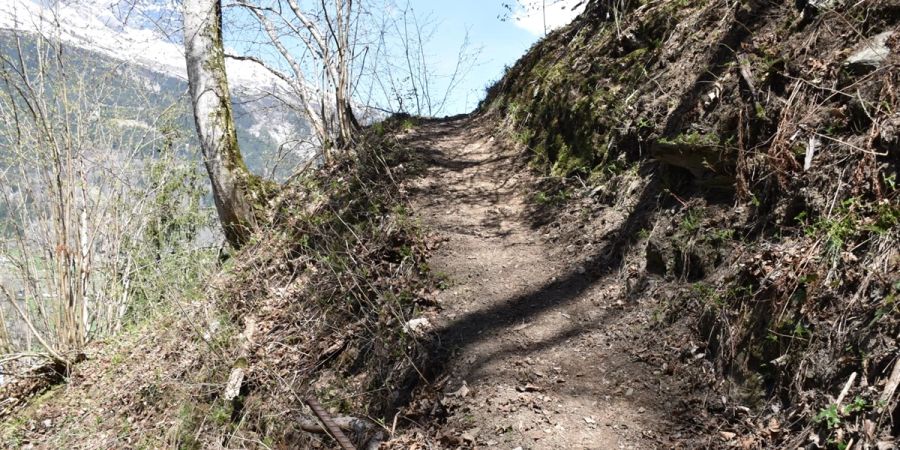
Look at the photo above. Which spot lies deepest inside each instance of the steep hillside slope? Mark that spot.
(671, 224)
(760, 140)
(315, 307)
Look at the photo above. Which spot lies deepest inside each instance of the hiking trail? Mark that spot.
(537, 356)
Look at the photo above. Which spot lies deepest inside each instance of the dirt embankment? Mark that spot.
(755, 145)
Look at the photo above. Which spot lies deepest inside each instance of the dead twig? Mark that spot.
(891, 387)
(747, 75)
(846, 389)
(37, 335)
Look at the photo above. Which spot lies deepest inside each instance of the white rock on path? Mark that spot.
(871, 53)
(417, 327)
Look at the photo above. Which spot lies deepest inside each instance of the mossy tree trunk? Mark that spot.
(238, 194)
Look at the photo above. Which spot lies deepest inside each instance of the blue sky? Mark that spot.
(96, 24)
(501, 35)
(502, 42)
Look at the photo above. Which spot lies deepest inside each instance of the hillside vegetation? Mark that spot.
(758, 141)
(671, 224)
(136, 97)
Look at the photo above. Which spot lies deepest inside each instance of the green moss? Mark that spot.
(408, 123)
(550, 198)
(568, 99)
(569, 160)
(221, 414)
(224, 117)
(632, 66)
(692, 139)
(692, 220)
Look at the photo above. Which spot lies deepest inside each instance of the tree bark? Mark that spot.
(238, 194)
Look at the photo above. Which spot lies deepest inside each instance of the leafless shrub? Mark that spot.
(82, 190)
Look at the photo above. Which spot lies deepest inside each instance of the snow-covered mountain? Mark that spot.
(101, 26)
(145, 34)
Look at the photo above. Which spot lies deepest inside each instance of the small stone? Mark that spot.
(823, 5)
(462, 392)
(528, 388)
(233, 387)
(870, 54)
(417, 327)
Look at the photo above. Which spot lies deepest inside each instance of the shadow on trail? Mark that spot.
(467, 191)
(458, 178)
(471, 328)
(479, 325)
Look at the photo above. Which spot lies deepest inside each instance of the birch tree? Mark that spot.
(237, 193)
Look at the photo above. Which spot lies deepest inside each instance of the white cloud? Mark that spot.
(533, 13)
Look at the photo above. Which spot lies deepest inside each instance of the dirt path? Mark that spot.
(536, 357)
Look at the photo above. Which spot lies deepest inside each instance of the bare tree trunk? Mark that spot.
(238, 193)
(340, 33)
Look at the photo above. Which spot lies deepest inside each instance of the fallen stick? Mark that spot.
(747, 74)
(330, 425)
(891, 386)
(344, 423)
(846, 389)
